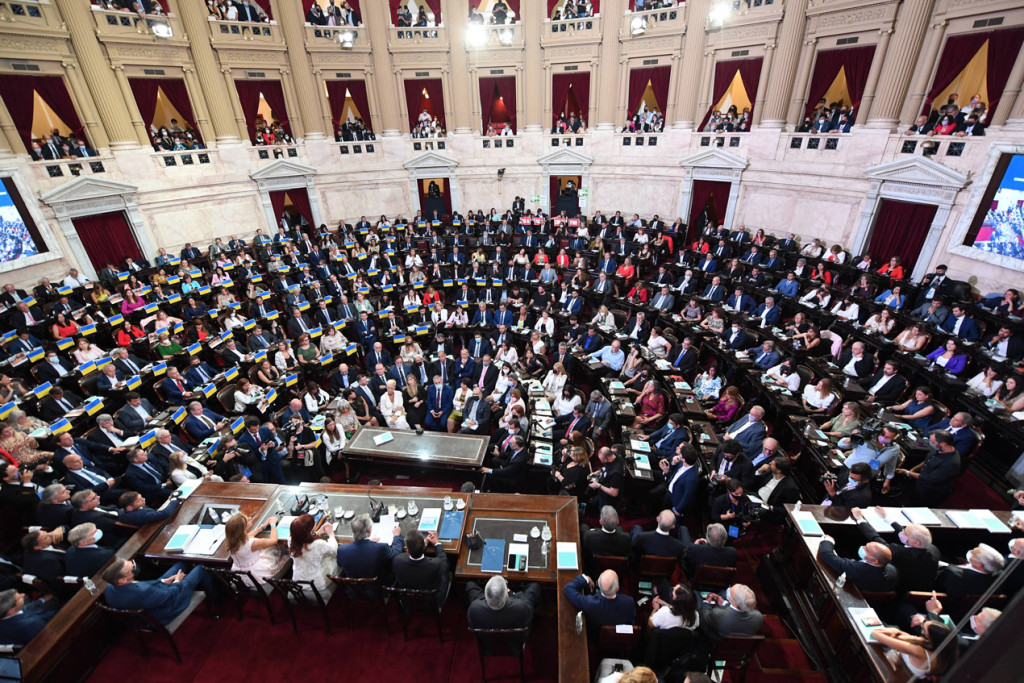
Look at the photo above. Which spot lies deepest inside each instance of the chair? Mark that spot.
(501, 642)
(879, 599)
(656, 567)
(737, 650)
(242, 585)
(968, 604)
(302, 593)
(919, 598)
(413, 600)
(139, 621)
(980, 436)
(226, 399)
(713, 578)
(620, 565)
(366, 590)
(611, 643)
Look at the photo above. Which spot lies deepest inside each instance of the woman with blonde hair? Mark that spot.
(258, 556)
(818, 398)
(391, 408)
(180, 471)
(555, 380)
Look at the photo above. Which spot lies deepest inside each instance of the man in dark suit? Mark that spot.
(199, 372)
(234, 353)
(885, 386)
(660, 542)
(57, 404)
(975, 576)
(509, 471)
(735, 614)
(601, 603)
(145, 478)
(84, 557)
(915, 558)
(638, 328)
(775, 485)
(666, 439)
(164, 599)
(485, 375)
(134, 511)
(731, 463)
(128, 364)
(50, 369)
(476, 416)
(366, 331)
(136, 414)
(87, 510)
(365, 557)
(176, 388)
(599, 410)
(21, 621)
(958, 323)
(735, 338)
(42, 557)
(54, 510)
(857, 491)
(415, 570)
(18, 491)
(855, 361)
(710, 550)
(565, 425)
(959, 426)
(496, 607)
(439, 403)
(202, 422)
(12, 295)
(608, 540)
(683, 356)
(378, 356)
(298, 324)
(934, 478)
(749, 431)
(872, 572)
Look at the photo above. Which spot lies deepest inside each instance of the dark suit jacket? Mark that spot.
(46, 564)
(890, 391)
(86, 561)
(918, 567)
(46, 373)
(600, 542)
(687, 362)
(490, 378)
(131, 421)
(53, 515)
(20, 629)
(859, 496)
(660, 545)
(786, 491)
(741, 468)
(366, 559)
(516, 613)
(696, 555)
(425, 573)
(163, 601)
(865, 576)
(104, 522)
(718, 621)
(862, 367)
(49, 410)
(145, 515)
(963, 581)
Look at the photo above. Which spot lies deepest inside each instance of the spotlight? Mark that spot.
(162, 30)
(347, 39)
(719, 13)
(638, 26)
(506, 36)
(477, 36)
(501, 173)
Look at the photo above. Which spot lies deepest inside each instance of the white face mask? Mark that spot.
(974, 626)
(98, 535)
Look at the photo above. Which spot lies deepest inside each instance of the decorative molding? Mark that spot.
(282, 168)
(565, 161)
(430, 163)
(87, 189)
(715, 158)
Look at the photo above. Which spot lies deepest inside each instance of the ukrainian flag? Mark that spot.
(178, 416)
(291, 380)
(231, 374)
(237, 425)
(36, 353)
(133, 383)
(159, 369)
(93, 406)
(325, 360)
(115, 320)
(42, 390)
(5, 410)
(65, 343)
(194, 349)
(148, 439)
(60, 426)
(260, 355)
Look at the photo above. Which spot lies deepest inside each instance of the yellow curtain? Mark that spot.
(735, 94)
(973, 80)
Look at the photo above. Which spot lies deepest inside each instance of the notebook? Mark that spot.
(566, 555)
(430, 519)
(181, 538)
(451, 524)
(808, 525)
(494, 556)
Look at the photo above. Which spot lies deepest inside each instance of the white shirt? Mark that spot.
(765, 492)
(879, 384)
(850, 369)
(743, 428)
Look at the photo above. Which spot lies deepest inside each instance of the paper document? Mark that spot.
(383, 438)
(922, 516)
(130, 442)
(808, 525)
(383, 531)
(188, 487)
(207, 541)
(181, 538)
(991, 522)
(284, 527)
(430, 519)
(638, 445)
(566, 554)
(866, 619)
(877, 522)
(965, 519)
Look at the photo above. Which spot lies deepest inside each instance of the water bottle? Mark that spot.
(796, 507)
(89, 586)
(841, 581)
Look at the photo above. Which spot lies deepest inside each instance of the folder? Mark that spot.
(493, 556)
(451, 524)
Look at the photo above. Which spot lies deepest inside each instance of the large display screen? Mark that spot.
(999, 225)
(17, 232)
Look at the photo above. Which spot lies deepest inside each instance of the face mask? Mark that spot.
(974, 626)
(53, 359)
(884, 440)
(728, 594)
(98, 536)
(735, 330)
(903, 538)
(751, 418)
(136, 570)
(862, 552)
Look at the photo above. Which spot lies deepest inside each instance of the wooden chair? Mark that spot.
(368, 591)
(302, 593)
(243, 585)
(734, 654)
(501, 642)
(413, 601)
(967, 604)
(620, 565)
(656, 567)
(611, 643)
(139, 621)
(879, 599)
(710, 577)
(919, 598)
(226, 399)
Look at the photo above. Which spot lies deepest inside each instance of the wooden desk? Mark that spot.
(430, 449)
(561, 514)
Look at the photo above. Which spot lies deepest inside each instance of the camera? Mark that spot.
(753, 512)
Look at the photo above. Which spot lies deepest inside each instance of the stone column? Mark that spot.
(1016, 119)
(242, 131)
(102, 84)
(612, 13)
(325, 104)
(289, 14)
(782, 74)
(762, 84)
(292, 102)
(199, 109)
(377, 19)
(796, 102)
(688, 83)
(129, 100)
(537, 86)
(923, 74)
(705, 84)
(1010, 93)
(461, 83)
(904, 48)
(8, 146)
(218, 93)
(864, 112)
(86, 108)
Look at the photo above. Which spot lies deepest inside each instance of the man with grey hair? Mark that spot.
(84, 557)
(609, 540)
(659, 542)
(600, 413)
(734, 614)
(915, 557)
(495, 606)
(145, 478)
(975, 576)
(368, 557)
(21, 621)
(106, 434)
(710, 550)
(749, 431)
(54, 509)
(601, 603)
(981, 621)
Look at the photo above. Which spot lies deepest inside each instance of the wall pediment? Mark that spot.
(565, 157)
(715, 158)
(918, 171)
(431, 160)
(86, 189)
(282, 168)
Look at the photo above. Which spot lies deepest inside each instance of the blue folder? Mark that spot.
(451, 524)
(494, 556)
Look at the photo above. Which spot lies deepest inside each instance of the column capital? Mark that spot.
(186, 68)
(284, 71)
(770, 45)
(117, 67)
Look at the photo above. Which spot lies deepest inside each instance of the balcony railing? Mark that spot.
(571, 26)
(639, 139)
(489, 37)
(568, 139)
(262, 153)
(26, 13)
(434, 35)
(497, 141)
(189, 159)
(355, 36)
(49, 174)
(347, 149)
(420, 145)
(267, 33)
(111, 24)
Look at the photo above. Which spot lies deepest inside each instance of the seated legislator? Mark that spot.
(873, 570)
(601, 603)
(20, 621)
(496, 607)
(164, 598)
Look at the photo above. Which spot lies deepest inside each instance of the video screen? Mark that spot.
(1001, 229)
(16, 228)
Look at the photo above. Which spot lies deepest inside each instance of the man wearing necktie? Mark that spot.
(439, 405)
(144, 478)
(398, 373)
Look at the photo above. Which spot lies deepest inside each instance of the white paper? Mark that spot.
(206, 542)
(965, 519)
(922, 516)
(991, 522)
(521, 550)
(430, 519)
(623, 628)
(284, 527)
(638, 445)
(877, 522)
(520, 538)
(566, 554)
(383, 530)
(383, 438)
(859, 613)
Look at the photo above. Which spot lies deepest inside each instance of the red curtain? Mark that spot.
(249, 96)
(446, 188)
(750, 74)
(1003, 46)
(560, 84)
(277, 199)
(446, 197)
(856, 61)
(703, 191)
(505, 86)
(394, 6)
(900, 230)
(435, 7)
(145, 91)
(16, 92)
(300, 199)
(265, 6)
(336, 96)
(958, 51)
(354, 4)
(638, 78)
(414, 99)
(106, 237)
